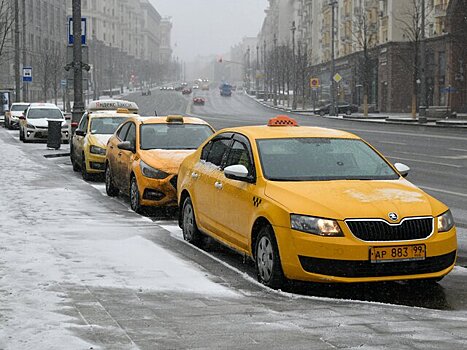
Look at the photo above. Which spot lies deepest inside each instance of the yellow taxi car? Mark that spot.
(89, 141)
(144, 154)
(313, 204)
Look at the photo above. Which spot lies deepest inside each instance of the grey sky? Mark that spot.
(203, 27)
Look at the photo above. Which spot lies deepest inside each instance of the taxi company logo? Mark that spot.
(393, 216)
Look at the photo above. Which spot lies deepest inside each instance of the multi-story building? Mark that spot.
(387, 33)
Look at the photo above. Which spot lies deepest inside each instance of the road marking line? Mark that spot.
(393, 143)
(407, 134)
(433, 156)
(458, 149)
(426, 161)
(444, 191)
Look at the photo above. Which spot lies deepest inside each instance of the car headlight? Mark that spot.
(445, 222)
(151, 172)
(97, 150)
(30, 126)
(316, 226)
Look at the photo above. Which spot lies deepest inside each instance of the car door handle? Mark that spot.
(194, 175)
(111, 147)
(120, 154)
(218, 185)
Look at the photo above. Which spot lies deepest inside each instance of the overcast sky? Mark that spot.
(203, 27)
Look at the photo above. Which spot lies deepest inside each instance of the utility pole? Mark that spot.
(17, 54)
(266, 74)
(78, 104)
(274, 77)
(23, 23)
(257, 69)
(248, 70)
(294, 67)
(423, 96)
(110, 70)
(332, 109)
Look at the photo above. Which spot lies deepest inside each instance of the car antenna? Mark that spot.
(155, 112)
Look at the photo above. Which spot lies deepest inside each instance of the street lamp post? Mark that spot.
(332, 110)
(423, 95)
(266, 75)
(294, 67)
(78, 104)
(275, 71)
(257, 70)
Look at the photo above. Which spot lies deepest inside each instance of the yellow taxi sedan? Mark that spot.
(144, 154)
(313, 204)
(89, 141)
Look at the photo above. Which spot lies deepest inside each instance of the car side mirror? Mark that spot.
(402, 169)
(126, 146)
(22, 117)
(237, 172)
(79, 132)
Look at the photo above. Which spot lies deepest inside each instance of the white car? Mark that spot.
(34, 124)
(12, 116)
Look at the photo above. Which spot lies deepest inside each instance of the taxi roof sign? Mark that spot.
(112, 105)
(174, 119)
(282, 120)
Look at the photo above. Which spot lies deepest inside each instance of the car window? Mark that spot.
(42, 113)
(239, 154)
(18, 108)
(314, 159)
(123, 130)
(173, 136)
(131, 135)
(105, 125)
(83, 124)
(218, 150)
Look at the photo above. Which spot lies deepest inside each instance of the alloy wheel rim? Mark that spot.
(188, 222)
(134, 195)
(264, 259)
(107, 178)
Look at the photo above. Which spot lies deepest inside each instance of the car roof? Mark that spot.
(43, 105)
(20, 104)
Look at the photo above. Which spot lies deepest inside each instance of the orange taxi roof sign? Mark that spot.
(282, 120)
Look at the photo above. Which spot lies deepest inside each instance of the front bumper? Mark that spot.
(95, 163)
(158, 193)
(41, 134)
(314, 258)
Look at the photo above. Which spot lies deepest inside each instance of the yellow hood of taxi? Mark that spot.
(354, 199)
(165, 160)
(99, 140)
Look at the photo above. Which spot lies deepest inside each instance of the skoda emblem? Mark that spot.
(393, 216)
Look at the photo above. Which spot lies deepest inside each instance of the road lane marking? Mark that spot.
(426, 161)
(458, 149)
(444, 191)
(393, 143)
(407, 134)
(433, 156)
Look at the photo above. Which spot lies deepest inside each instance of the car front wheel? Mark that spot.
(190, 230)
(110, 188)
(84, 173)
(134, 196)
(268, 263)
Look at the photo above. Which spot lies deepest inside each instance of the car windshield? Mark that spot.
(173, 136)
(18, 108)
(318, 159)
(106, 125)
(50, 113)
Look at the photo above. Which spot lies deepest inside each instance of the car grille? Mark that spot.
(358, 268)
(380, 230)
(42, 127)
(173, 181)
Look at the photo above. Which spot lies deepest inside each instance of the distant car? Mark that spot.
(343, 108)
(205, 87)
(33, 125)
(12, 116)
(186, 91)
(146, 92)
(199, 101)
(144, 154)
(163, 88)
(195, 87)
(170, 88)
(179, 88)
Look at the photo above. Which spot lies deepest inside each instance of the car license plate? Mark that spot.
(397, 253)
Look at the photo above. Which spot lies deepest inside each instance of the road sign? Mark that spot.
(27, 74)
(314, 83)
(448, 90)
(337, 77)
(63, 82)
(83, 30)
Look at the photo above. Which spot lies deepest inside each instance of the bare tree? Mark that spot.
(7, 20)
(55, 69)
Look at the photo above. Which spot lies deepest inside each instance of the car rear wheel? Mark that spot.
(268, 263)
(110, 188)
(190, 230)
(84, 173)
(135, 201)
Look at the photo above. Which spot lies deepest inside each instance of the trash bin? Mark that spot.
(54, 134)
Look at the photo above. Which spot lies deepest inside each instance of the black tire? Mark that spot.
(267, 259)
(21, 137)
(135, 200)
(84, 173)
(110, 188)
(348, 112)
(190, 230)
(322, 113)
(73, 161)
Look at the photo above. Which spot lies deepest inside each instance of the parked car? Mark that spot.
(343, 108)
(200, 101)
(144, 154)
(146, 92)
(33, 125)
(186, 91)
(313, 204)
(89, 142)
(12, 116)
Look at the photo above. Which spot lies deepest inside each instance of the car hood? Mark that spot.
(165, 160)
(99, 139)
(354, 199)
(43, 122)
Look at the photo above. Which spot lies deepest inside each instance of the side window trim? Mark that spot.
(120, 137)
(245, 142)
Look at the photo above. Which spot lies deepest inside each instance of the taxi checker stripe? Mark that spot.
(256, 201)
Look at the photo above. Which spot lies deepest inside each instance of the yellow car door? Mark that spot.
(78, 138)
(125, 159)
(112, 155)
(235, 198)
